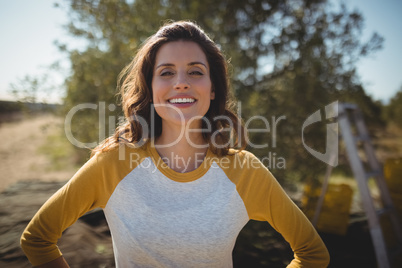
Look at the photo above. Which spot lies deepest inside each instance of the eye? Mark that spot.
(167, 73)
(196, 73)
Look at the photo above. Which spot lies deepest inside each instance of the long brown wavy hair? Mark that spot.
(135, 86)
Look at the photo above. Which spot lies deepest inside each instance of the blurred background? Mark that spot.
(288, 59)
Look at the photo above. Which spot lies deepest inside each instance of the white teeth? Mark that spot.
(182, 100)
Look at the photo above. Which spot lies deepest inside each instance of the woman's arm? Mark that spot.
(309, 249)
(282, 214)
(265, 200)
(84, 192)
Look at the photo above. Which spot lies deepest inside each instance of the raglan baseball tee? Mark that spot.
(161, 218)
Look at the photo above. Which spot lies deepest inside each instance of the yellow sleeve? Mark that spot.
(89, 188)
(265, 200)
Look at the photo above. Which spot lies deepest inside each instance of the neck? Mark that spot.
(182, 150)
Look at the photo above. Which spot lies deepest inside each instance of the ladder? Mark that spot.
(349, 115)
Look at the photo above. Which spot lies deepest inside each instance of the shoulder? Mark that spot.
(122, 155)
(121, 159)
(106, 169)
(239, 159)
(243, 166)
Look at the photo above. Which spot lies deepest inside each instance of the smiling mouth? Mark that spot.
(181, 100)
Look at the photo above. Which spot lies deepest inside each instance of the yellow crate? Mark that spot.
(333, 222)
(393, 174)
(393, 178)
(334, 216)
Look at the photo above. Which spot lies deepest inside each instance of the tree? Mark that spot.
(315, 54)
(393, 111)
(28, 88)
(289, 58)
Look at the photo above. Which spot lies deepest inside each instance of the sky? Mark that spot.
(29, 28)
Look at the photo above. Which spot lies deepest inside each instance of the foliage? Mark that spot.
(28, 88)
(393, 111)
(288, 58)
(315, 53)
(9, 107)
(58, 151)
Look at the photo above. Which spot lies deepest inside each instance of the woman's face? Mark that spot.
(181, 84)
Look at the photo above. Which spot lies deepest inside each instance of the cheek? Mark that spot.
(159, 89)
(208, 89)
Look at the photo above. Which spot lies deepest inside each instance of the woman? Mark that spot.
(174, 189)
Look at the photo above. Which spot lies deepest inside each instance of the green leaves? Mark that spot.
(288, 58)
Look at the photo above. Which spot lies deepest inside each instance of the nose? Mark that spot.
(181, 82)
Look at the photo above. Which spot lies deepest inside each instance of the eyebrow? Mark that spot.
(189, 64)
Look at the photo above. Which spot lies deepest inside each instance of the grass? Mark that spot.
(388, 143)
(57, 148)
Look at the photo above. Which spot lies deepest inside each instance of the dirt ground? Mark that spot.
(27, 179)
(20, 143)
